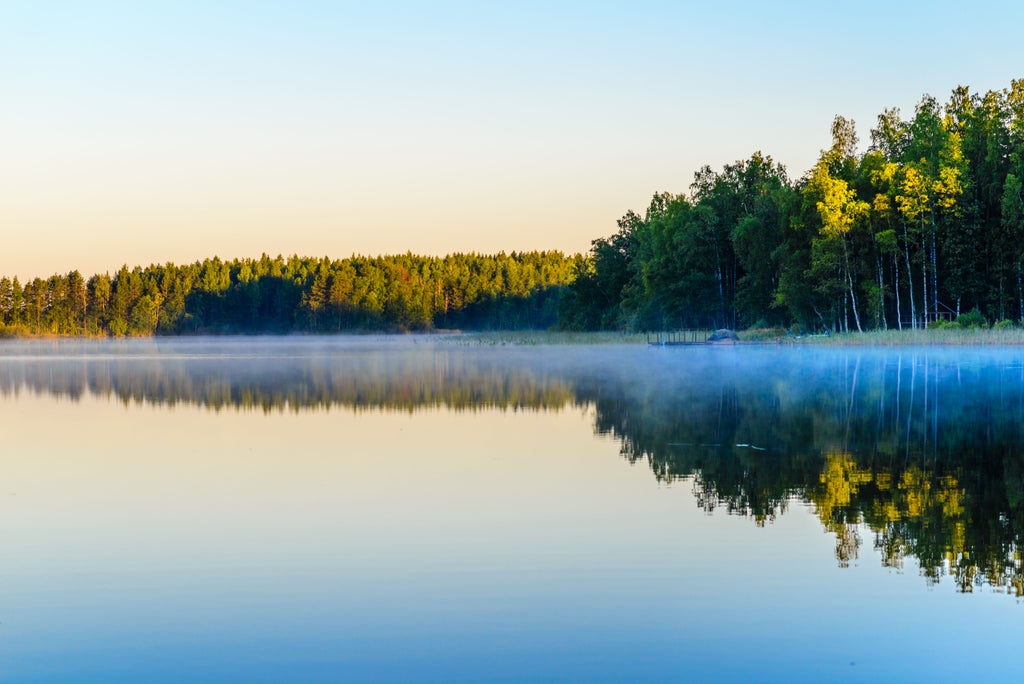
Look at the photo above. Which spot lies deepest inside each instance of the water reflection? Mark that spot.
(922, 449)
(288, 374)
(918, 452)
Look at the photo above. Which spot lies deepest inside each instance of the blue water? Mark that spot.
(378, 510)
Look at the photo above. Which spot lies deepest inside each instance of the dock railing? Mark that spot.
(682, 336)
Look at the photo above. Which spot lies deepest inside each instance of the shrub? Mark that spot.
(1004, 325)
(972, 319)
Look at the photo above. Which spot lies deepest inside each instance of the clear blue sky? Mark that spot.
(140, 132)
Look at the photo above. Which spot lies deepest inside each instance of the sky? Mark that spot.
(147, 132)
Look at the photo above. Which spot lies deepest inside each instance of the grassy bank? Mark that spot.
(541, 337)
(526, 338)
(908, 337)
(892, 338)
(941, 336)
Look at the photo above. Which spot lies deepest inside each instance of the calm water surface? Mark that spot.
(419, 510)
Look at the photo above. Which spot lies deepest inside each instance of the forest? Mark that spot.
(925, 226)
(294, 294)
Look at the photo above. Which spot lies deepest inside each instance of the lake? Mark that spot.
(423, 509)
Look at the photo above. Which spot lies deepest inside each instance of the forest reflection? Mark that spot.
(287, 378)
(917, 452)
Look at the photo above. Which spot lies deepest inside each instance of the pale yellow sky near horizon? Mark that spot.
(176, 131)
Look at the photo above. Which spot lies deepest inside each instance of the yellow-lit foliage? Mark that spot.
(914, 490)
(948, 187)
(838, 207)
(881, 204)
(912, 497)
(841, 478)
(913, 194)
(951, 497)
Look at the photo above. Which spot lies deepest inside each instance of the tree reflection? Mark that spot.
(921, 450)
(370, 381)
(924, 451)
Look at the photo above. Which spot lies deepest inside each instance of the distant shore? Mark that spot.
(948, 336)
(878, 338)
(943, 336)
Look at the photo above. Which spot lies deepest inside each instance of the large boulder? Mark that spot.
(723, 336)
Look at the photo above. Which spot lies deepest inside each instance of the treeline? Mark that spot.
(295, 294)
(925, 225)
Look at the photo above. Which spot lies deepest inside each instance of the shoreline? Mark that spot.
(964, 337)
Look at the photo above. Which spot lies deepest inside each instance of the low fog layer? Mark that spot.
(870, 396)
(921, 449)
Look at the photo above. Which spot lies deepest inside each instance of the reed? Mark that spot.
(530, 338)
(951, 336)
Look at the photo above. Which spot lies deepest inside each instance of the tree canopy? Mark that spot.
(925, 225)
(295, 294)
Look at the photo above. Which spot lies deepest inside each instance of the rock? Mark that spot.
(723, 336)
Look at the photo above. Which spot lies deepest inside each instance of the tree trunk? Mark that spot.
(853, 294)
(935, 276)
(853, 302)
(718, 274)
(732, 290)
(896, 276)
(1002, 305)
(924, 276)
(881, 295)
(837, 303)
(910, 277)
(820, 317)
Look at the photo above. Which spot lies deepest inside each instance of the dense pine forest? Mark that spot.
(925, 226)
(281, 295)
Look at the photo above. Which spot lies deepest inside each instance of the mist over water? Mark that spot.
(425, 486)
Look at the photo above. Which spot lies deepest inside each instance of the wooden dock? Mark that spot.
(675, 338)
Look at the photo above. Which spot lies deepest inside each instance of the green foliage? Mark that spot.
(972, 319)
(709, 261)
(278, 295)
(118, 327)
(930, 219)
(143, 317)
